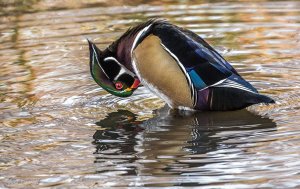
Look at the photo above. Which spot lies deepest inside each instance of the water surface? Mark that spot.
(59, 129)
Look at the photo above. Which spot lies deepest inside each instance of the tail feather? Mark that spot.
(223, 98)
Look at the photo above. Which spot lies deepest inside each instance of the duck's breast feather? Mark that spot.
(157, 68)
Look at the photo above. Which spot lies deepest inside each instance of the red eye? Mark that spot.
(119, 85)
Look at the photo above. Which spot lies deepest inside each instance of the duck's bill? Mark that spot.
(135, 84)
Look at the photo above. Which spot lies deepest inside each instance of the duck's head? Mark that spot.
(110, 74)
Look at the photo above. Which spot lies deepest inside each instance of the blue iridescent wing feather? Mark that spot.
(196, 38)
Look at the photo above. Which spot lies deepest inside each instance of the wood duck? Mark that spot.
(175, 64)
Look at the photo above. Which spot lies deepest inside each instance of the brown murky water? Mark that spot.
(59, 129)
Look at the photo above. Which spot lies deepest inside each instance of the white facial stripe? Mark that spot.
(112, 58)
(194, 95)
(94, 55)
(122, 71)
(123, 68)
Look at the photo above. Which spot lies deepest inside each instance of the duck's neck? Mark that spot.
(123, 50)
(122, 47)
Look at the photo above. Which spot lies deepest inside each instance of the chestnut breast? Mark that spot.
(160, 72)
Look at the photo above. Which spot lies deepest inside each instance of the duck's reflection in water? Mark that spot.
(169, 142)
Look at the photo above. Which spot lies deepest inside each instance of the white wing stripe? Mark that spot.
(232, 84)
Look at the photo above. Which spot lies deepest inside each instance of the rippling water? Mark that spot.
(59, 129)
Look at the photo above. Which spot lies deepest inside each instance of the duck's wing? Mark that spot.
(214, 53)
(204, 65)
(216, 84)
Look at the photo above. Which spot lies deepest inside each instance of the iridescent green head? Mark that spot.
(110, 74)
